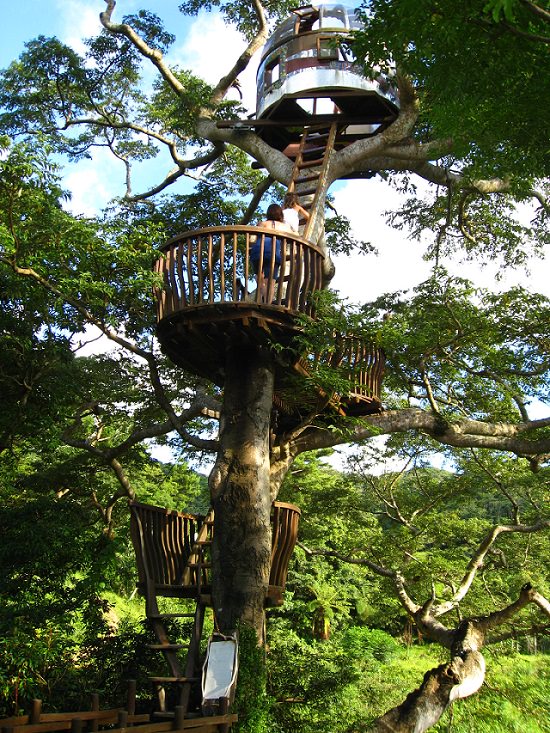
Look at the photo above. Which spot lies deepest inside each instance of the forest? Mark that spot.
(418, 593)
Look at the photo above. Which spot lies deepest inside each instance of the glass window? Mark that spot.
(327, 48)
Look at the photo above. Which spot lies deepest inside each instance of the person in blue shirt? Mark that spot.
(274, 222)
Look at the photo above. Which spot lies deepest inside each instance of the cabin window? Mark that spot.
(272, 72)
(336, 17)
(305, 18)
(327, 48)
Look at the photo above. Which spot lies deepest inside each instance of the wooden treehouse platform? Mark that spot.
(173, 551)
(211, 298)
(211, 295)
(174, 561)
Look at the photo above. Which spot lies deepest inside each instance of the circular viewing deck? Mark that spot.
(212, 296)
(212, 289)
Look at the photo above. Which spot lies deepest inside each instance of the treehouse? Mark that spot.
(308, 75)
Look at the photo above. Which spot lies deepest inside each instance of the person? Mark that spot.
(292, 211)
(274, 221)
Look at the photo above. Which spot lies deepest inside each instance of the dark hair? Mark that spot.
(290, 200)
(275, 213)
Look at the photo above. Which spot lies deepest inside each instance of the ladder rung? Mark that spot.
(307, 191)
(305, 179)
(317, 149)
(310, 163)
(167, 647)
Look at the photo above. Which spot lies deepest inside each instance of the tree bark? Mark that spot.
(240, 492)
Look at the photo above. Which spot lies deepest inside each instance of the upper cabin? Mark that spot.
(308, 75)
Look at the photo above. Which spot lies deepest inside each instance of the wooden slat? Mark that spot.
(199, 266)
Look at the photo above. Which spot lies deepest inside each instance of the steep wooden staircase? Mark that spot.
(310, 170)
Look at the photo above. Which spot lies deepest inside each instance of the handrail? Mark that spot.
(214, 266)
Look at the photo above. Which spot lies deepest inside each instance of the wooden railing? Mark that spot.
(213, 266)
(172, 550)
(284, 523)
(360, 363)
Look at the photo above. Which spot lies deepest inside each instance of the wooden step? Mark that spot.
(167, 616)
(311, 151)
(305, 179)
(167, 647)
(205, 565)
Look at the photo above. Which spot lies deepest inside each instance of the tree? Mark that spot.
(464, 364)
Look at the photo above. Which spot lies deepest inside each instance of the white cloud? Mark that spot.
(79, 19)
(92, 184)
(399, 264)
(210, 49)
(92, 342)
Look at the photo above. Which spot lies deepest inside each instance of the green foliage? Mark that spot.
(251, 702)
(470, 345)
(463, 58)
(239, 13)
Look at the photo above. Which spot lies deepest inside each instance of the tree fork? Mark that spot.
(240, 491)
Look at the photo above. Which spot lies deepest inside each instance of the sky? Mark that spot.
(208, 47)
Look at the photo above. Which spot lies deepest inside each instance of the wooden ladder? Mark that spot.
(172, 556)
(183, 678)
(197, 572)
(310, 169)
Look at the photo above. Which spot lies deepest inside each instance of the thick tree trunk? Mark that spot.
(239, 487)
(424, 707)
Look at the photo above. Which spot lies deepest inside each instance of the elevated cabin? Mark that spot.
(308, 75)
(211, 296)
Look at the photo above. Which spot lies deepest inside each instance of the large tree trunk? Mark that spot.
(424, 707)
(239, 486)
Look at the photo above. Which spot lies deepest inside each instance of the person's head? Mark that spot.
(290, 200)
(275, 213)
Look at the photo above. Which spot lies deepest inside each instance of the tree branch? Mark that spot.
(242, 62)
(154, 55)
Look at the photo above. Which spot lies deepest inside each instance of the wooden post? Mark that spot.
(179, 717)
(223, 709)
(122, 720)
(36, 711)
(94, 723)
(131, 697)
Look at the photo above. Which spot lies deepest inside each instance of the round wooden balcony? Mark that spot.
(211, 291)
(358, 361)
